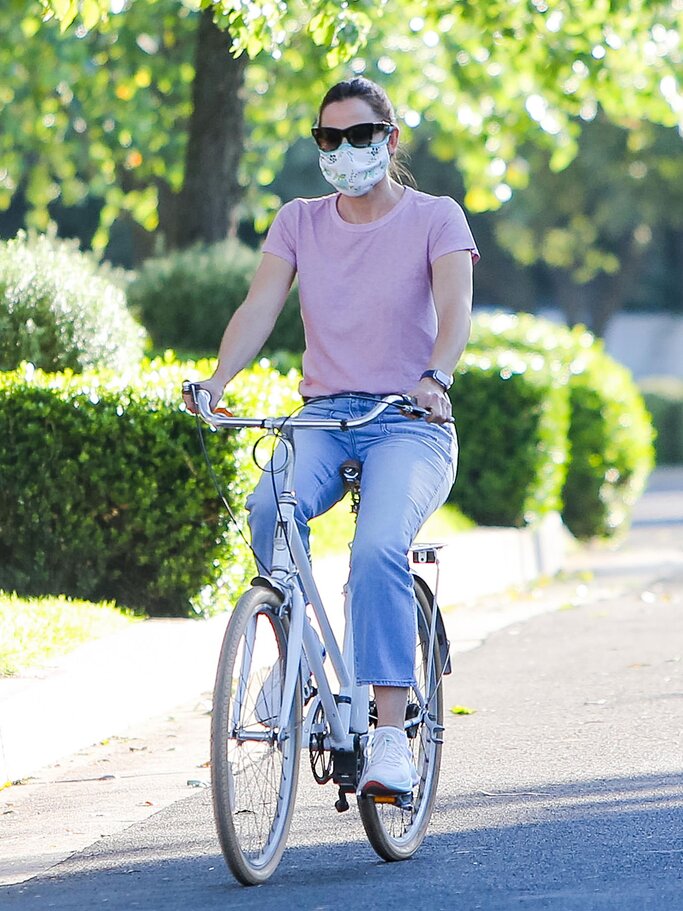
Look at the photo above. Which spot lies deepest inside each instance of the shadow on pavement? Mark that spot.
(601, 844)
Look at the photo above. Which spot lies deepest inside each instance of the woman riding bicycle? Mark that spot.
(385, 284)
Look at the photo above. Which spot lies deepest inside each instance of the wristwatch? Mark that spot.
(443, 379)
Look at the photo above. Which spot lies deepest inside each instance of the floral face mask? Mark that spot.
(353, 171)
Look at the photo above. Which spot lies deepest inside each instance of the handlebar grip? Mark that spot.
(417, 411)
(195, 390)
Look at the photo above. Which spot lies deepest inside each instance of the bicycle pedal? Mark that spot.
(403, 801)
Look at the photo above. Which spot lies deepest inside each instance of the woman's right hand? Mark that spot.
(212, 386)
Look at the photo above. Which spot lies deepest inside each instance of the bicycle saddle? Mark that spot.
(350, 472)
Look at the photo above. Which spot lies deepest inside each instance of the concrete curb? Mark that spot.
(102, 688)
(156, 665)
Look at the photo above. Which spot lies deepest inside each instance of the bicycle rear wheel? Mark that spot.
(254, 764)
(393, 832)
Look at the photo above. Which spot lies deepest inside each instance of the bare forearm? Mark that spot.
(252, 323)
(451, 340)
(242, 340)
(452, 288)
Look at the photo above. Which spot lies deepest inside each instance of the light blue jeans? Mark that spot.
(408, 470)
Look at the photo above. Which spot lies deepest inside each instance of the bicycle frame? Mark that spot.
(291, 576)
(345, 712)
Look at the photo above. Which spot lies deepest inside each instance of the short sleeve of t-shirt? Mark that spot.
(450, 231)
(280, 239)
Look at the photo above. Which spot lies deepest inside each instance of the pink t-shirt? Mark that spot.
(365, 290)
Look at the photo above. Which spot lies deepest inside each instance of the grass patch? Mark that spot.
(331, 532)
(35, 630)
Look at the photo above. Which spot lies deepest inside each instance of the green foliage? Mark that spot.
(610, 433)
(489, 79)
(605, 203)
(104, 493)
(104, 114)
(664, 400)
(59, 309)
(613, 208)
(512, 418)
(612, 453)
(185, 299)
(89, 12)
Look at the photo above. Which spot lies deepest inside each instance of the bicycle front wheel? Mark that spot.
(393, 832)
(254, 763)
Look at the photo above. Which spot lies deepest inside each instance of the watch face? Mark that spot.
(443, 379)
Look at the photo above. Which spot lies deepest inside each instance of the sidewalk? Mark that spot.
(106, 686)
(651, 553)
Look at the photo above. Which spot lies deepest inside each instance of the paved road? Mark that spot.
(563, 791)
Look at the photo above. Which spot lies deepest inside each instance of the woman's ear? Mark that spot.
(393, 140)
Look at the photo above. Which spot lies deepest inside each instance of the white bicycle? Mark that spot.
(272, 667)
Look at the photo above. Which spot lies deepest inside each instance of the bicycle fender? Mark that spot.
(272, 584)
(441, 637)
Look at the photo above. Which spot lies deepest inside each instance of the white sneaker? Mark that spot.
(389, 766)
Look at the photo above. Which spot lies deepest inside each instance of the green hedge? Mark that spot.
(104, 493)
(610, 432)
(664, 400)
(512, 420)
(60, 309)
(186, 298)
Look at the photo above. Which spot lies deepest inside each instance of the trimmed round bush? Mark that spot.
(664, 400)
(185, 299)
(60, 309)
(512, 419)
(104, 492)
(610, 432)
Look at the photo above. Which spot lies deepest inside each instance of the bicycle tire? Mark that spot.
(394, 833)
(254, 781)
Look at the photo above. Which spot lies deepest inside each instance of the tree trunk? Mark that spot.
(205, 208)
(613, 290)
(569, 297)
(596, 302)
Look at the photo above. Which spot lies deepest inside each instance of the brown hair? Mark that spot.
(377, 98)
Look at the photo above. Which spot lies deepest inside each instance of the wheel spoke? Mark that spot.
(254, 773)
(394, 832)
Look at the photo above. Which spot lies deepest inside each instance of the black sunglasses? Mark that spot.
(360, 135)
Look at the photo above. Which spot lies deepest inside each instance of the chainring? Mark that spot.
(321, 758)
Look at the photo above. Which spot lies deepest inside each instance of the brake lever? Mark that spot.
(411, 409)
(193, 389)
(415, 411)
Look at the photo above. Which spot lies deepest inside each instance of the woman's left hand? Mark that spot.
(430, 395)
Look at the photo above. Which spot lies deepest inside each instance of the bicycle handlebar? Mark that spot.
(202, 401)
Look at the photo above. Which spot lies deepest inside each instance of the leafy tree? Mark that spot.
(128, 95)
(612, 207)
(115, 112)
